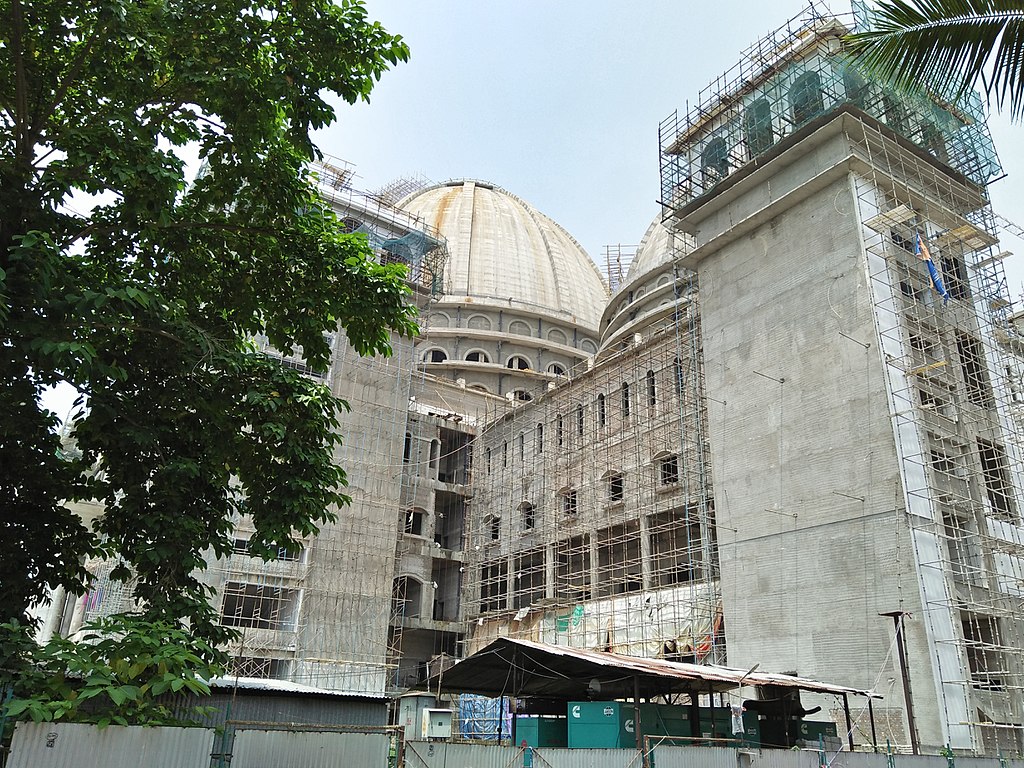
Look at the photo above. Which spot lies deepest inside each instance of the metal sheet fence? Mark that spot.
(72, 745)
(422, 754)
(76, 745)
(665, 756)
(587, 758)
(308, 749)
(438, 754)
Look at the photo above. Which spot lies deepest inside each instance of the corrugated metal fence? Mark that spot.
(305, 749)
(438, 754)
(254, 745)
(75, 745)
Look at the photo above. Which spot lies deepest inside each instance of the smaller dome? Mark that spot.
(655, 250)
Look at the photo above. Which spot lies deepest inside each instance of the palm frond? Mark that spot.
(948, 46)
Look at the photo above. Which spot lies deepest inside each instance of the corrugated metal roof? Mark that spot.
(285, 686)
(524, 668)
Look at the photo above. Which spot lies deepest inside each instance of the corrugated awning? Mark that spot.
(509, 667)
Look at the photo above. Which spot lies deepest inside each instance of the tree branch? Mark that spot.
(20, 79)
(75, 70)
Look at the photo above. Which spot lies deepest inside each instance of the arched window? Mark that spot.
(539, 439)
(529, 515)
(667, 468)
(487, 456)
(479, 323)
(520, 328)
(521, 395)
(438, 320)
(478, 356)
(588, 346)
(570, 501)
(579, 419)
(857, 89)
(615, 486)
(557, 336)
(805, 98)
(933, 140)
(414, 521)
(559, 430)
(652, 389)
(504, 453)
(522, 446)
(556, 368)
(407, 450)
(601, 413)
(518, 363)
(435, 356)
(626, 400)
(408, 596)
(435, 453)
(714, 162)
(677, 376)
(477, 387)
(757, 127)
(894, 112)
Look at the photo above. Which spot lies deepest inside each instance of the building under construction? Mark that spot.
(786, 438)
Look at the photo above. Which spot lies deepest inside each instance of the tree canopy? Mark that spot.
(948, 46)
(144, 292)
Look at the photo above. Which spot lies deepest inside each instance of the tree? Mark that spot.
(115, 675)
(948, 46)
(144, 293)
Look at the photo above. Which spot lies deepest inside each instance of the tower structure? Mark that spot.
(864, 460)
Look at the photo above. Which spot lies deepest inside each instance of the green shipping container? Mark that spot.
(541, 731)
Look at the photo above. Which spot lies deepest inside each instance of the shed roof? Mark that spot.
(524, 668)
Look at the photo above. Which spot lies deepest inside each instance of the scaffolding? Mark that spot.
(951, 348)
(593, 522)
(395, 235)
(786, 82)
(617, 259)
(954, 374)
(325, 616)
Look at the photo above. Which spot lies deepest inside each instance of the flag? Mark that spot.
(922, 252)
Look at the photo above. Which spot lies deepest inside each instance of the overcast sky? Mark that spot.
(559, 102)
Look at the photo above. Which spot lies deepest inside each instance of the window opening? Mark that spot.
(668, 470)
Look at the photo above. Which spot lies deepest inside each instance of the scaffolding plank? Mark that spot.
(894, 217)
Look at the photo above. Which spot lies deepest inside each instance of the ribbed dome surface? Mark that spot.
(654, 250)
(502, 249)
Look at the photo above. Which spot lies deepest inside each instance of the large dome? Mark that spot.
(503, 251)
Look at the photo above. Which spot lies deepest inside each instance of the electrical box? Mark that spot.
(410, 713)
(437, 724)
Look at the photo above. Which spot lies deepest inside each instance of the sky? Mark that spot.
(560, 102)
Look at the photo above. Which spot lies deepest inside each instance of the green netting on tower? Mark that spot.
(790, 82)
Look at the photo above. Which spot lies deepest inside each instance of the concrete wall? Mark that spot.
(806, 478)
(343, 641)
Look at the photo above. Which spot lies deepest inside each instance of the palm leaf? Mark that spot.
(948, 46)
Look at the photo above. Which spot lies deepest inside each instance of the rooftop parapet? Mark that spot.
(786, 80)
